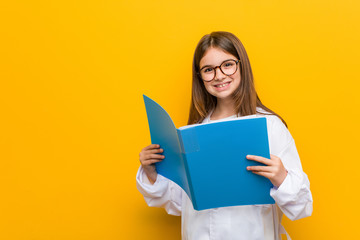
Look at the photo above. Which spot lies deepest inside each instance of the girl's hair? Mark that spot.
(245, 96)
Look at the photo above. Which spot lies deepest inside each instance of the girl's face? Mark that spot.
(222, 86)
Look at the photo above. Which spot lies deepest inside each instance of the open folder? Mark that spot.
(208, 161)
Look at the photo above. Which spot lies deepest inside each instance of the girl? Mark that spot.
(223, 88)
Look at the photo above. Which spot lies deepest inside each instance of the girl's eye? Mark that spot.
(228, 64)
(208, 70)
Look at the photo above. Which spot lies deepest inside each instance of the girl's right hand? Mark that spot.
(148, 158)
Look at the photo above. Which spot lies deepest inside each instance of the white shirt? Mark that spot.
(250, 222)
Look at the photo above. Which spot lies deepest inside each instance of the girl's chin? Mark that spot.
(222, 96)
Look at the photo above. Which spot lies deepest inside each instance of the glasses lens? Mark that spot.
(207, 74)
(228, 67)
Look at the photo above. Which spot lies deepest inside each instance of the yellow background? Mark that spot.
(72, 123)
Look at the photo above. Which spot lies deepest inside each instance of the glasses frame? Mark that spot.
(215, 67)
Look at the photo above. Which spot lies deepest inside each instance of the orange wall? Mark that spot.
(72, 75)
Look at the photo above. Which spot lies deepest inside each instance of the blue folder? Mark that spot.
(208, 161)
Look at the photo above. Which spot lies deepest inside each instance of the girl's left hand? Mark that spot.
(274, 171)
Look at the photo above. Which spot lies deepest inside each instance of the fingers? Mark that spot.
(159, 150)
(151, 154)
(268, 175)
(155, 156)
(274, 169)
(259, 168)
(151, 146)
(150, 161)
(273, 157)
(259, 159)
(149, 157)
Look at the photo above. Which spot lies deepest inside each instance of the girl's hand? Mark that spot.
(148, 158)
(274, 171)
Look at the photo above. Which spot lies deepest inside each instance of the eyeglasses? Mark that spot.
(228, 67)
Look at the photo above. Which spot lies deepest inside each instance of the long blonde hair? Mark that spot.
(245, 96)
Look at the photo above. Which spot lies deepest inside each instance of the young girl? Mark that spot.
(223, 88)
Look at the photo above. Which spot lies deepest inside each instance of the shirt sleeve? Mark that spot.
(293, 196)
(163, 193)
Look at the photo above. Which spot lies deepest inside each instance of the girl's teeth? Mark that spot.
(222, 85)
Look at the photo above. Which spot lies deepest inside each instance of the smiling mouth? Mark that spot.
(222, 85)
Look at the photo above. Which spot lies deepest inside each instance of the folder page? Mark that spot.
(164, 133)
(216, 159)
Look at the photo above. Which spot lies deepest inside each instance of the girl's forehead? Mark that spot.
(215, 56)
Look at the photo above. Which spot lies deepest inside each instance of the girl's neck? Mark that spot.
(224, 108)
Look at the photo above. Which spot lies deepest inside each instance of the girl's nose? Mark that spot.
(219, 74)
